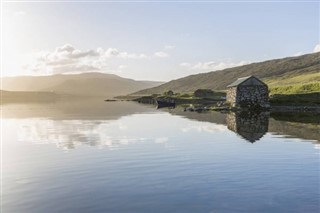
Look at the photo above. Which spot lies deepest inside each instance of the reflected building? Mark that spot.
(250, 126)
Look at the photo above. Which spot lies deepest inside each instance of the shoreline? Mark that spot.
(221, 105)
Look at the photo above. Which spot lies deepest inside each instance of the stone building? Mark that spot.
(248, 92)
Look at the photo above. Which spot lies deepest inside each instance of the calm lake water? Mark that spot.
(124, 157)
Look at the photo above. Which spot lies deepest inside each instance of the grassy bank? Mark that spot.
(306, 88)
(186, 98)
(176, 99)
(295, 94)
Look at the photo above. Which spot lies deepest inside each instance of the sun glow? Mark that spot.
(15, 39)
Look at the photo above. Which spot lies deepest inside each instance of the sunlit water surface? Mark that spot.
(133, 158)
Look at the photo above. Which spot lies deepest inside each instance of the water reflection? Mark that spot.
(290, 125)
(90, 122)
(69, 131)
(250, 126)
(301, 125)
(86, 109)
(70, 134)
(96, 124)
(186, 161)
(66, 134)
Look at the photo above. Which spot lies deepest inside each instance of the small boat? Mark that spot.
(165, 103)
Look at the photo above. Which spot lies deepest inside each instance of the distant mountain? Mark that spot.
(85, 84)
(300, 69)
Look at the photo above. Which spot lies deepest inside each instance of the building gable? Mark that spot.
(249, 80)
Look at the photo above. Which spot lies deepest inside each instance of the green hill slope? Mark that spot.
(286, 71)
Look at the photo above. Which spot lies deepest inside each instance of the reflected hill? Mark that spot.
(295, 125)
(250, 126)
(212, 116)
(298, 125)
(77, 109)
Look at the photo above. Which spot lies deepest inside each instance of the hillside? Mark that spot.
(286, 71)
(86, 84)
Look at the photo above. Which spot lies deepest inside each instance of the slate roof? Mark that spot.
(241, 80)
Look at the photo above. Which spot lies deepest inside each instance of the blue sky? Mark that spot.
(152, 40)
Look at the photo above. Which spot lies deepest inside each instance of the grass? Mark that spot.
(297, 94)
(296, 99)
(306, 88)
(293, 79)
(293, 92)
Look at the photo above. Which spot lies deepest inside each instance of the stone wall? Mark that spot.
(252, 95)
(249, 94)
(232, 94)
(231, 121)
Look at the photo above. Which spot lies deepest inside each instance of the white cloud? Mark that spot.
(67, 59)
(316, 48)
(212, 65)
(161, 54)
(115, 53)
(64, 59)
(65, 48)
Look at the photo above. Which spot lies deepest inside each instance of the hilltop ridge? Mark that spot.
(285, 71)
